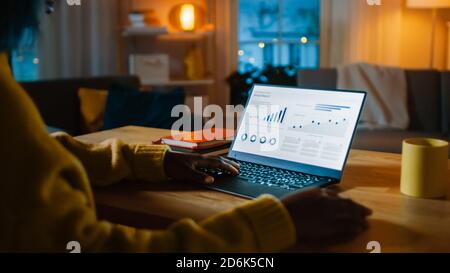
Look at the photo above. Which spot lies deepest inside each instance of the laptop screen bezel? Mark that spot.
(290, 165)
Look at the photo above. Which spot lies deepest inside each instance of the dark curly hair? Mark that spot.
(18, 17)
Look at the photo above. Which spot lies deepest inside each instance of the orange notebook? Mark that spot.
(200, 140)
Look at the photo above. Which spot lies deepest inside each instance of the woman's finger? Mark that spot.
(231, 162)
(200, 177)
(330, 192)
(216, 163)
(358, 208)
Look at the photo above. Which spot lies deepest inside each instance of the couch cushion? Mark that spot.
(424, 96)
(446, 102)
(58, 102)
(325, 78)
(92, 108)
(390, 141)
(126, 106)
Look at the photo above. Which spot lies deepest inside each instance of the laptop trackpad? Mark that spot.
(241, 187)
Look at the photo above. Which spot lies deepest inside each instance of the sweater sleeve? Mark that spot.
(262, 225)
(46, 200)
(112, 161)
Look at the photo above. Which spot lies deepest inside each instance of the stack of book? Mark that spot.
(138, 26)
(210, 142)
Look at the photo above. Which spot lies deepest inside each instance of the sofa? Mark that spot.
(58, 101)
(428, 103)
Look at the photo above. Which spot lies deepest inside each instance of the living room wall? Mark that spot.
(416, 37)
(390, 34)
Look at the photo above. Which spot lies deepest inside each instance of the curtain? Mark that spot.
(80, 41)
(359, 32)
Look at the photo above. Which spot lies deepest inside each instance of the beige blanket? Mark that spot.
(387, 101)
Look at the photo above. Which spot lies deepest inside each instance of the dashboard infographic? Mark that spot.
(313, 127)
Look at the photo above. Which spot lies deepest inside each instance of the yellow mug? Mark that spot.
(425, 168)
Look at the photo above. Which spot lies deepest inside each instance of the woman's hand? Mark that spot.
(323, 218)
(182, 166)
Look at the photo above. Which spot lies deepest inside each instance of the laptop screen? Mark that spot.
(312, 127)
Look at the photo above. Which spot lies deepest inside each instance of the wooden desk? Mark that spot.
(399, 223)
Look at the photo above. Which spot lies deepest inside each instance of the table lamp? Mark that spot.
(434, 5)
(187, 17)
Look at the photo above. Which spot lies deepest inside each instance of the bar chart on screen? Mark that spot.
(276, 117)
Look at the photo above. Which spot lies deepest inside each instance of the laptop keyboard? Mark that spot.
(273, 177)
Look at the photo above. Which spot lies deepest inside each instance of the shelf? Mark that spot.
(185, 36)
(178, 82)
(144, 31)
(162, 34)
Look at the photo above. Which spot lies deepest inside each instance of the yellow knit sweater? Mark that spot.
(46, 197)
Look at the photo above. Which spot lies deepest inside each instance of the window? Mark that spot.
(278, 33)
(24, 61)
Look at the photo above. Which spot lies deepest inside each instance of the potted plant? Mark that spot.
(242, 82)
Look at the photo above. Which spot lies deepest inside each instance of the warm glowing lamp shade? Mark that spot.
(187, 17)
(428, 4)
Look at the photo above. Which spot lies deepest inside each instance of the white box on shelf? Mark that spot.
(150, 67)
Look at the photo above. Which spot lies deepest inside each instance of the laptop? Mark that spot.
(291, 139)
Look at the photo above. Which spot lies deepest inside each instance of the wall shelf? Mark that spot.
(162, 34)
(185, 36)
(167, 40)
(143, 31)
(179, 82)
